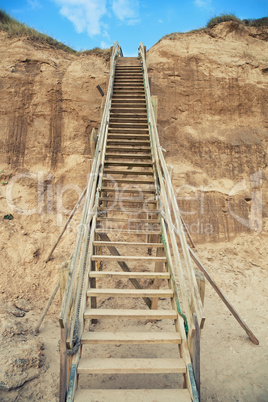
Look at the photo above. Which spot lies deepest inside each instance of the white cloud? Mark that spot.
(104, 45)
(126, 10)
(202, 3)
(34, 4)
(86, 15)
(134, 21)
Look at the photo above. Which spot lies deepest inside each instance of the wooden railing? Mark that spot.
(74, 298)
(178, 255)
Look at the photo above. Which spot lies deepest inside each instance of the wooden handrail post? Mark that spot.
(196, 354)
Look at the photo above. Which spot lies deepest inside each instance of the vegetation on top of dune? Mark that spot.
(17, 29)
(258, 22)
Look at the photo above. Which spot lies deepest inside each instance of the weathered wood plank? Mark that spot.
(130, 314)
(130, 366)
(127, 275)
(133, 395)
(130, 292)
(117, 338)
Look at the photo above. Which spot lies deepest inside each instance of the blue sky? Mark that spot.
(84, 24)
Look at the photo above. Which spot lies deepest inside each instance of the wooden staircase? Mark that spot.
(141, 341)
(124, 336)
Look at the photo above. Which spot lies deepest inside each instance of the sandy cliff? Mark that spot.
(213, 122)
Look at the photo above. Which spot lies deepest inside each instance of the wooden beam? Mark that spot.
(250, 334)
(66, 224)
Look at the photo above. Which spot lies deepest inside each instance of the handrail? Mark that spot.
(75, 291)
(168, 198)
(170, 214)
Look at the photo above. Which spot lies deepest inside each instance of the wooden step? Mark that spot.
(130, 211)
(130, 70)
(133, 164)
(128, 120)
(133, 258)
(130, 292)
(125, 243)
(127, 181)
(127, 125)
(127, 156)
(127, 190)
(129, 75)
(127, 275)
(128, 231)
(127, 81)
(132, 338)
(128, 86)
(135, 117)
(128, 200)
(119, 74)
(133, 97)
(128, 142)
(129, 220)
(132, 67)
(130, 366)
(122, 109)
(138, 314)
(128, 136)
(130, 114)
(130, 107)
(128, 130)
(128, 102)
(125, 148)
(128, 172)
(134, 76)
(133, 395)
(128, 91)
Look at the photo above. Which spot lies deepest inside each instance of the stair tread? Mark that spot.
(134, 220)
(130, 292)
(127, 200)
(137, 164)
(128, 258)
(124, 243)
(131, 274)
(130, 337)
(125, 190)
(125, 366)
(134, 182)
(128, 156)
(128, 172)
(119, 230)
(130, 313)
(133, 395)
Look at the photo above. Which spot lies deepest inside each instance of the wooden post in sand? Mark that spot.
(64, 360)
